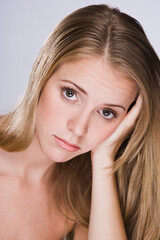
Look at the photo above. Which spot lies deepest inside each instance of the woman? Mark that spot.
(80, 153)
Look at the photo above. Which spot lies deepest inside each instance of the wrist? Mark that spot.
(102, 173)
(101, 164)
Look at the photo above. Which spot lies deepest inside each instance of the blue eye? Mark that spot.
(107, 114)
(69, 94)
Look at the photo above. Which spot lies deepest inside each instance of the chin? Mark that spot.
(60, 156)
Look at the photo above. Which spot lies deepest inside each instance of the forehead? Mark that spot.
(95, 72)
(101, 82)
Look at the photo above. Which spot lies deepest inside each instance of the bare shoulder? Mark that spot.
(4, 158)
(7, 162)
(80, 232)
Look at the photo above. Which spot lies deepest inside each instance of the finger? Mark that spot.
(128, 122)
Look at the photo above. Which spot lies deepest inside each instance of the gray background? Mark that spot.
(25, 24)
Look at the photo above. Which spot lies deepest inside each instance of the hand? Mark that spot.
(103, 155)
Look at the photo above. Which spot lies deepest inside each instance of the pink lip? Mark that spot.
(66, 145)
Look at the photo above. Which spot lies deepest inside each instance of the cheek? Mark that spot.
(48, 110)
(43, 112)
(100, 134)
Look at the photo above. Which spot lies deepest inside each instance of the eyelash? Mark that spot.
(115, 115)
(66, 88)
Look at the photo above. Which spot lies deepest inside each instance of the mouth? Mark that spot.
(66, 145)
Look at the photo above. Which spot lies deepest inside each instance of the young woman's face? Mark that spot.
(82, 103)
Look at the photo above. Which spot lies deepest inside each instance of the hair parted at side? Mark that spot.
(102, 31)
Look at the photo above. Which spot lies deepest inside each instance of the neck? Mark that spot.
(31, 165)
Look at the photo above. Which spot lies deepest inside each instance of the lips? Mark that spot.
(66, 145)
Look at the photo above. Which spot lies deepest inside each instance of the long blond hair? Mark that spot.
(98, 30)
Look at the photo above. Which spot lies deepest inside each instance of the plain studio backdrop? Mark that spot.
(25, 25)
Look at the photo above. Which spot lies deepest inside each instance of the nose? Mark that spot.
(79, 123)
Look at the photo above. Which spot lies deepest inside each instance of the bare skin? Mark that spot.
(104, 183)
(27, 211)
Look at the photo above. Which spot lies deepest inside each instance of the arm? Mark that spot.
(106, 221)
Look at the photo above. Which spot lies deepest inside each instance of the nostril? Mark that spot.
(79, 127)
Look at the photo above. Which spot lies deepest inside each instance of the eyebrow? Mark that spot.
(115, 105)
(83, 91)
